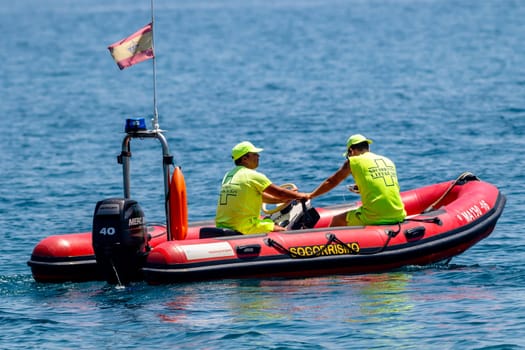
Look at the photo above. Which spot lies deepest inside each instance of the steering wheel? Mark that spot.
(279, 206)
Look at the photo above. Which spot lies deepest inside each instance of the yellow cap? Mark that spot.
(354, 140)
(242, 148)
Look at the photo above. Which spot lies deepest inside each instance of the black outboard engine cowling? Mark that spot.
(120, 239)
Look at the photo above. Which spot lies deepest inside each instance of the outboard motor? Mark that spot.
(120, 239)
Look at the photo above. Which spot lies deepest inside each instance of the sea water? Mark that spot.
(438, 85)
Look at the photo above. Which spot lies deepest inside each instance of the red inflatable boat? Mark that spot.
(444, 220)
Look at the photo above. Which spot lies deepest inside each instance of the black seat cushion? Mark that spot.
(210, 232)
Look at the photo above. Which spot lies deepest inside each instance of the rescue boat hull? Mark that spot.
(445, 219)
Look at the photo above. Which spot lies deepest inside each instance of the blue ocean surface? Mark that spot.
(439, 85)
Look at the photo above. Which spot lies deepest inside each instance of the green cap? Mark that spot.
(354, 140)
(242, 148)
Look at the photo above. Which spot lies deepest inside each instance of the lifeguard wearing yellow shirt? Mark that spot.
(243, 191)
(376, 180)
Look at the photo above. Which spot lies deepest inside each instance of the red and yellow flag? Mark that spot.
(135, 48)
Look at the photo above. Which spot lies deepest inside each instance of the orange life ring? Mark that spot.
(178, 206)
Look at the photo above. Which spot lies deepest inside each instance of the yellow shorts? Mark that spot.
(353, 218)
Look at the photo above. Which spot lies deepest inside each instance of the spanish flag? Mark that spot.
(135, 48)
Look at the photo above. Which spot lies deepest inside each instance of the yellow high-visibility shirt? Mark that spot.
(376, 178)
(240, 201)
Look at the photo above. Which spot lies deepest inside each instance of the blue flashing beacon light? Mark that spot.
(135, 124)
